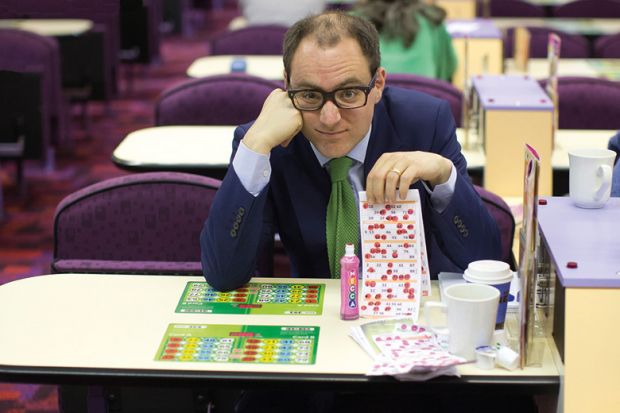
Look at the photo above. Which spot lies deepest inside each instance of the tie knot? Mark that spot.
(339, 168)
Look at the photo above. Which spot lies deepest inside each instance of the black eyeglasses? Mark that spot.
(351, 97)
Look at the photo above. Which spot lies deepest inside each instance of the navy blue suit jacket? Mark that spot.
(295, 200)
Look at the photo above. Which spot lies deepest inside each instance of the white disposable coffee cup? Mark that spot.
(590, 172)
(497, 274)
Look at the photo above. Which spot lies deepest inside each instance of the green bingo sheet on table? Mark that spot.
(228, 343)
(254, 298)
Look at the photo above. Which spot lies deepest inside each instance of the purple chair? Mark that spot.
(28, 52)
(514, 8)
(574, 46)
(434, 87)
(104, 13)
(607, 47)
(504, 219)
(589, 8)
(251, 40)
(138, 224)
(146, 223)
(230, 99)
(588, 103)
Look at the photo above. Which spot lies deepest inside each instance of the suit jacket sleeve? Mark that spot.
(464, 231)
(235, 230)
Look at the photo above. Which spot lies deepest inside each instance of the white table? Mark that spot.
(176, 148)
(49, 27)
(210, 147)
(583, 26)
(539, 68)
(565, 140)
(549, 2)
(268, 67)
(110, 326)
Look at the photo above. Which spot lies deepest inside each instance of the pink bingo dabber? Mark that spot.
(349, 270)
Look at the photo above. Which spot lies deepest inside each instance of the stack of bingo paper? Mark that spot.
(409, 352)
(394, 263)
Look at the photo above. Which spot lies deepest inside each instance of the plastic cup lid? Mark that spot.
(488, 272)
(487, 351)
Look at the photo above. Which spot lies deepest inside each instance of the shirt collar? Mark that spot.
(358, 153)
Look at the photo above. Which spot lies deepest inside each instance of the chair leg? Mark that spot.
(72, 399)
(50, 160)
(21, 182)
(1, 202)
(84, 115)
(203, 402)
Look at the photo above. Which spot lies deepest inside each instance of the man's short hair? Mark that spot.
(328, 29)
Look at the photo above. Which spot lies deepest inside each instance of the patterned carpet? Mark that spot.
(26, 230)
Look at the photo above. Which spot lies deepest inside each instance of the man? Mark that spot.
(336, 106)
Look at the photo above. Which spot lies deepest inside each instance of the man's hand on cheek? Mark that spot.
(277, 124)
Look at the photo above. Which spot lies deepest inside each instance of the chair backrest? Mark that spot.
(104, 13)
(588, 103)
(143, 223)
(434, 87)
(515, 8)
(24, 51)
(574, 46)
(500, 211)
(607, 47)
(589, 8)
(214, 100)
(251, 40)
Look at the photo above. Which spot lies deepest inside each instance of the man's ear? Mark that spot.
(380, 83)
(285, 76)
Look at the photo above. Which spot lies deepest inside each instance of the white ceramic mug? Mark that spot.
(471, 311)
(590, 176)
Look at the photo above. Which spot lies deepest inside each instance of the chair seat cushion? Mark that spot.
(128, 267)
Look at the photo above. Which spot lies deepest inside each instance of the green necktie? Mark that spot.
(342, 224)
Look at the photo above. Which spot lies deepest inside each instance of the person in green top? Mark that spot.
(413, 37)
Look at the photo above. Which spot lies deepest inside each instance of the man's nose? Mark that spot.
(330, 114)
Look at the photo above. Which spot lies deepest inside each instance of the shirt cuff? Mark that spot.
(441, 195)
(252, 168)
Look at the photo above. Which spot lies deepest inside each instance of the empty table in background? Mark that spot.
(582, 26)
(49, 27)
(539, 68)
(199, 149)
(268, 67)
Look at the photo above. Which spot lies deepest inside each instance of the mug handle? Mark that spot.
(603, 171)
(428, 308)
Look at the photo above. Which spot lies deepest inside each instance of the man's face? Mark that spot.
(334, 131)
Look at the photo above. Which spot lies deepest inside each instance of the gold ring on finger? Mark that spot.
(397, 171)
